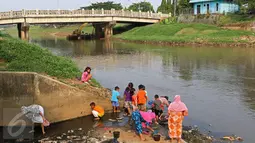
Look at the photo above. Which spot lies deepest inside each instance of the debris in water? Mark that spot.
(232, 138)
(59, 138)
(228, 138)
(239, 139)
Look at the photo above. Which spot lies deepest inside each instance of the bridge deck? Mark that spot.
(74, 16)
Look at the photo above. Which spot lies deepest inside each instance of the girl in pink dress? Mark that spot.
(86, 76)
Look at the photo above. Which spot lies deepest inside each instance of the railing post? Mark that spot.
(112, 11)
(148, 14)
(37, 12)
(123, 14)
(170, 14)
(82, 11)
(102, 11)
(11, 13)
(131, 11)
(59, 12)
(93, 11)
(23, 12)
(151, 13)
(140, 13)
(159, 14)
(48, 12)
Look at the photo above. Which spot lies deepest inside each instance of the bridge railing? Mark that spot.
(71, 13)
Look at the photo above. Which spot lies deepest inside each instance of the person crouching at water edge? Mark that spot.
(86, 75)
(138, 120)
(115, 99)
(97, 111)
(176, 110)
(36, 114)
(142, 98)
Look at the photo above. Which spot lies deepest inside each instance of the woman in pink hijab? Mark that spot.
(176, 110)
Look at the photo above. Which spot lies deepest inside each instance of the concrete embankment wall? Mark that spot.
(206, 19)
(60, 101)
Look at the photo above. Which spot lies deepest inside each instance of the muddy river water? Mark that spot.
(217, 84)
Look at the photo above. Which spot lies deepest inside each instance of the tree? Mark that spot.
(251, 6)
(183, 4)
(163, 7)
(105, 5)
(143, 6)
(170, 7)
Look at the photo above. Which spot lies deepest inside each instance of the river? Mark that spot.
(217, 84)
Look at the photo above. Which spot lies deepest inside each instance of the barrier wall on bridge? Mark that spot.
(48, 16)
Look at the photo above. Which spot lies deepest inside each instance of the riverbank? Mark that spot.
(104, 134)
(178, 34)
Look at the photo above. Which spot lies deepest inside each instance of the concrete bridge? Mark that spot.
(101, 19)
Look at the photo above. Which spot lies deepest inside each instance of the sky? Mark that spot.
(7, 5)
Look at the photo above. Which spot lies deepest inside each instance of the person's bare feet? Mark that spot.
(142, 139)
(96, 119)
(43, 133)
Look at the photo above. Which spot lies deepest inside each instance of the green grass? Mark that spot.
(179, 32)
(22, 56)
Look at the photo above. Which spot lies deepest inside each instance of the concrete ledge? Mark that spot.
(60, 101)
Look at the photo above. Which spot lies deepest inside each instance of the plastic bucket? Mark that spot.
(156, 137)
(116, 134)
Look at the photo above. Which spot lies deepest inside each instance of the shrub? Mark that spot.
(169, 20)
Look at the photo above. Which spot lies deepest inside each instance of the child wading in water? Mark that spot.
(97, 111)
(115, 99)
(129, 92)
(157, 106)
(86, 76)
(142, 98)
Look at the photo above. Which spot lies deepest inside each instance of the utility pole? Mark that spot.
(175, 5)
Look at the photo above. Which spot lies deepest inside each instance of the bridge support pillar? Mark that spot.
(104, 30)
(23, 31)
(98, 30)
(108, 29)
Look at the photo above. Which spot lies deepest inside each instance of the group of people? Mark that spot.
(136, 106)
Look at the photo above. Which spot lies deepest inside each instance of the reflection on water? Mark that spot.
(217, 84)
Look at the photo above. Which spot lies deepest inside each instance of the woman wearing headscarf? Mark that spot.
(176, 110)
(36, 114)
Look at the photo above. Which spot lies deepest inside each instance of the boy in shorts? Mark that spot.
(157, 107)
(115, 99)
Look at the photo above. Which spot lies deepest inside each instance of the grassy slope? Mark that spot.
(17, 55)
(22, 56)
(184, 33)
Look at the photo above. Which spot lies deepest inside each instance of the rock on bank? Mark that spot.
(60, 101)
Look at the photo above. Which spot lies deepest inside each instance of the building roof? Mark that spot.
(196, 1)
